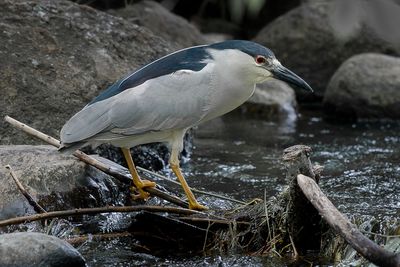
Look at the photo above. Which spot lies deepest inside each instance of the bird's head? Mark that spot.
(256, 61)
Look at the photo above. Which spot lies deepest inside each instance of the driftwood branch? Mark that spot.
(91, 211)
(46, 138)
(342, 225)
(32, 202)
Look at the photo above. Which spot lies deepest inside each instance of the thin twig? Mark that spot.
(206, 236)
(266, 214)
(32, 202)
(91, 211)
(381, 235)
(295, 253)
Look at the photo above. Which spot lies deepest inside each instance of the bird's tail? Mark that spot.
(70, 148)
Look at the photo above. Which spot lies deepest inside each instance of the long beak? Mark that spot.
(284, 74)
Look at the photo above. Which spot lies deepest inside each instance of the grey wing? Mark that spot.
(177, 100)
(86, 123)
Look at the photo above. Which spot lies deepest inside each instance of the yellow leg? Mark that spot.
(139, 184)
(193, 204)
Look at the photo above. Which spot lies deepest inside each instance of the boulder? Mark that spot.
(172, 28)
(271, 100)
(305, 41)
(57, 55)
(37, 250)
(365, 86)
(55, 180)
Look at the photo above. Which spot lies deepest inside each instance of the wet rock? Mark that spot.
(58, 181)
(37, 250)
(365, 86)
(162, 22)
(216, 37)
(272, 99)
(305, 41)
(56, 56)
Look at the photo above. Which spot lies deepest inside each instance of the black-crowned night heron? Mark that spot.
(162, 100)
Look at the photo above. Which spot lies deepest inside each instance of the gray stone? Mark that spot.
(305, 41)
(365, 86)
(162, 22)
(272, 99)
(216, 37)
(37, 250)
(57, 55)
(57, 180)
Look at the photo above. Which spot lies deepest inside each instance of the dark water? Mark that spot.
(240, 157)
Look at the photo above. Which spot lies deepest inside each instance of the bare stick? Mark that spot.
(29, 130)
(32, 202)
(342, 225)
(91, 211)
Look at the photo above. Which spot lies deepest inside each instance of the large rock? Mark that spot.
(159, 20)
(37, 250)
(366, 85)
(56, 56)
(271, 100)
(305, 41)
(56, 180)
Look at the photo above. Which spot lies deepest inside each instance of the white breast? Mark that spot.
(231, 83)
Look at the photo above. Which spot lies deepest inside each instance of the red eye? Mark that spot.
(260, 60)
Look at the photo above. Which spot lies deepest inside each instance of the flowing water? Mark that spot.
(240, 157)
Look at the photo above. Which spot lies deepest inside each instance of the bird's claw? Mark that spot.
(137, 191)
(142, 195)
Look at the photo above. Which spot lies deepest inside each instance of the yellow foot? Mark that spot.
(138, 192)
(196, 206)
